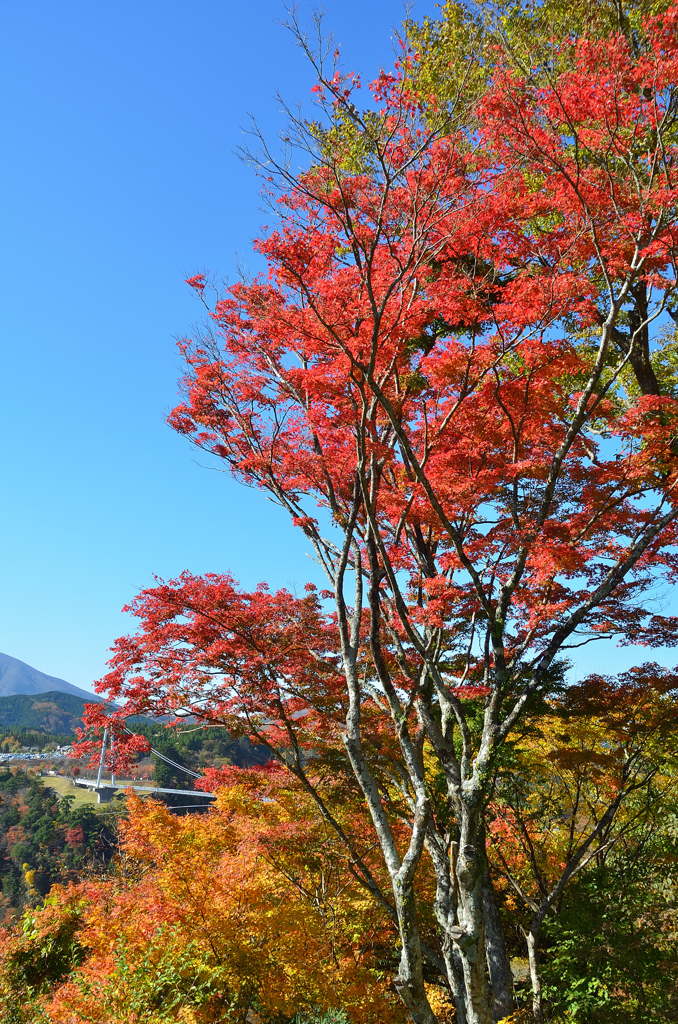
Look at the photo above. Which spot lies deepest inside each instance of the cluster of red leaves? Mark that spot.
(253, 662)
(500, 245)
(259, 664)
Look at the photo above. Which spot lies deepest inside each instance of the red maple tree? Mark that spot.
(447, 380)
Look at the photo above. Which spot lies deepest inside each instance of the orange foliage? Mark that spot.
(200, 926)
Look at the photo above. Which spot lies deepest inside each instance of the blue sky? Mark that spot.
(118, 180)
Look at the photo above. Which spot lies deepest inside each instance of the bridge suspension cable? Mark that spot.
(168, 760)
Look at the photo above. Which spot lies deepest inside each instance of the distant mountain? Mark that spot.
(51, 712)
(18, 677)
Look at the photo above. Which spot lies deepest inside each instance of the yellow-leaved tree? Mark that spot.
(249, 913)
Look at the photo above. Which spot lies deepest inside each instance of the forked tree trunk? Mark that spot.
(445, 907)
(470, 926)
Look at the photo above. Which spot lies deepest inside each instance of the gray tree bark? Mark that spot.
(498, 962)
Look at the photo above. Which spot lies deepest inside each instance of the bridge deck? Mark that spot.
(92, 784)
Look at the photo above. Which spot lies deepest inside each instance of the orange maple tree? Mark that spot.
(578, 786)
(246, 910)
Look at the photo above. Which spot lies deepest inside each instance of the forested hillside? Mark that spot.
(44, 839)
(49, 713)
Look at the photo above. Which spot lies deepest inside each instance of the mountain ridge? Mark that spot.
(17, 677)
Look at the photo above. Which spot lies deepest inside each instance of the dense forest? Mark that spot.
(51, 712)
(44, 839)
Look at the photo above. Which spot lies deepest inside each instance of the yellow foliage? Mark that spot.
(571, 767)
(441, 1004)
(200, 924)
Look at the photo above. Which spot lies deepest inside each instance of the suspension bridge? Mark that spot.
(105, 791)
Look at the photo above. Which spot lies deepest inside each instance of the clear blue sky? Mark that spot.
(119, 123)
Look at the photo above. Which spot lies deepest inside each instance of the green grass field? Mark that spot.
(64, 787)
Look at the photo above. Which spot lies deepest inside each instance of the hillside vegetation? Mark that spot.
(44, 839)
(51, 713)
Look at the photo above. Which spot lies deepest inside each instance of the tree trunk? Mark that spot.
(409, 982)
(417, 1007)
(469, 937)
(457, 973)
(498, 962)
(532, 938)
(445, 907)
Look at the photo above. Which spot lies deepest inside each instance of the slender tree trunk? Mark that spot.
(532, 938)
(456, 971)
(498, 962)
(445, 907)
(409, 982)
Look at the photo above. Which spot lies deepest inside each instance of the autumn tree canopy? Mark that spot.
(457, 379)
